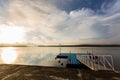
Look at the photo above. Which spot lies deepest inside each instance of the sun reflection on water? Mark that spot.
(9, 55)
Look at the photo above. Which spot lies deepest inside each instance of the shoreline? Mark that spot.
(86, 45)
(27, 72)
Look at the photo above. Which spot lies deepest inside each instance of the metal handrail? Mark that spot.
(97, 62)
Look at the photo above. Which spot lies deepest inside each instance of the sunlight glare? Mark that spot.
(9, 55)
(11, 34)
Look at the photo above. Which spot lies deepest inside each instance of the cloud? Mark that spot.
(45, 22)
(36, 56)
(70, 5)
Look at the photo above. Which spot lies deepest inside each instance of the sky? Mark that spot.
(60, 21)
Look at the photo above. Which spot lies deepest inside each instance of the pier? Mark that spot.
(92, 61)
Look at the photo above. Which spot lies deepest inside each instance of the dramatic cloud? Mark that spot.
(46, 21)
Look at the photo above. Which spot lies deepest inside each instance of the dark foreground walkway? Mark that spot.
(22, 72)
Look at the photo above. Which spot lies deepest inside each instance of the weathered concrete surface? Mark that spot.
(24, 72)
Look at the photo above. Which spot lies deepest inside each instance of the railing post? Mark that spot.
(104, 62)
(98, 62)
(112, 63)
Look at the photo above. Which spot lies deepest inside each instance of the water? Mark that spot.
(45, 56)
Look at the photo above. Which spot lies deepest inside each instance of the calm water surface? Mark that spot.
(45, 56)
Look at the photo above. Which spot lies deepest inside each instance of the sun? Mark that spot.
(9, 55)
(11, 34)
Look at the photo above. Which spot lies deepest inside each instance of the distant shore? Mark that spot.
(84, 45)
